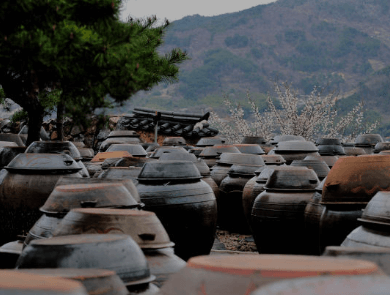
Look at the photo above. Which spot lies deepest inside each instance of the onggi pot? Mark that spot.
(184, 203)
(278, 212)
(25, 184)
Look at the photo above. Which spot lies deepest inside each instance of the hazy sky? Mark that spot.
(177, 9)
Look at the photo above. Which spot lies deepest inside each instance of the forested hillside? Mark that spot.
(344, 44)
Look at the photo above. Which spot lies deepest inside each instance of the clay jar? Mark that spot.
(12, 282)
(204, 170)
(136, 150)
(58, 147)
(253, 188)
(174, 141)
(95, 281)
(368, 142)
(349, 186)
(120, 136)
(210, 141)
(121, 254)
(211, 154)
(294, 150)
(230, 201)
(242, 274)
(250, 149)
(16, 138)
(329, 160)
(143, 226)
(379, 256)
(121, 173)
(7, 153)
(350, 285)
(375, 225)
(184, 203)
(226, 160)
(25, 184)
(67, 197)
(167, 149)
(319, 167)
(313, 213)
(278, 212)
(381, 146)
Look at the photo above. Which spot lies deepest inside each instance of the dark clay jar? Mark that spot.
(25, 184)
(278, 212)
(253, 188)
(184, 203)
(313, 212)
(230, 205)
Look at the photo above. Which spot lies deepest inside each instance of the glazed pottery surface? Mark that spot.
(242, 274)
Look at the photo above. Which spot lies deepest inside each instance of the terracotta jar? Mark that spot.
(95, 281)
(278, 212)
(249, 149)
(230, 201)
(368, 142)
(350, 185)
(210, 141)
(136, 150)
(319, 167)
(142, 226)
(242, 274)
(253, 188)
(313, 213)
(121, 254)
(350, 285)
(25, 184)
(294, 150)
(184, 203)
(58, 147)
(211, 154)
(220, 170)
(67, 197)
(12, 282)
(204, 170)
(379, 256)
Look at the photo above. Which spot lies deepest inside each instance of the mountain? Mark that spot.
(344, 44)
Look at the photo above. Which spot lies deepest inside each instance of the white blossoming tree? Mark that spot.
(313, 116)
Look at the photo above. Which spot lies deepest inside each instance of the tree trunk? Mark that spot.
(60, 120)
(35, 120)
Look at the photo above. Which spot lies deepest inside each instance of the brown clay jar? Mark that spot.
(349, 186)
(242, 274)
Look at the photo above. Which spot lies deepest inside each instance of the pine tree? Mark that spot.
(81, 49)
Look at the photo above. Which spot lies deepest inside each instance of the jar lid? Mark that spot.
(167, 149)
(169, 171)
(54, 147)
(210, 141)
(377, 210)
(319, 167)
(281, 138)
(136, 150)
(123, 133)
(368, 139)
(355, 180)
(292, 178)
(216, 150)
(273, 159)
(250, 149)
(43, 163)
(241, 159)
(296, 146)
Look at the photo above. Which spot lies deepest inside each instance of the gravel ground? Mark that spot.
(235, 242)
